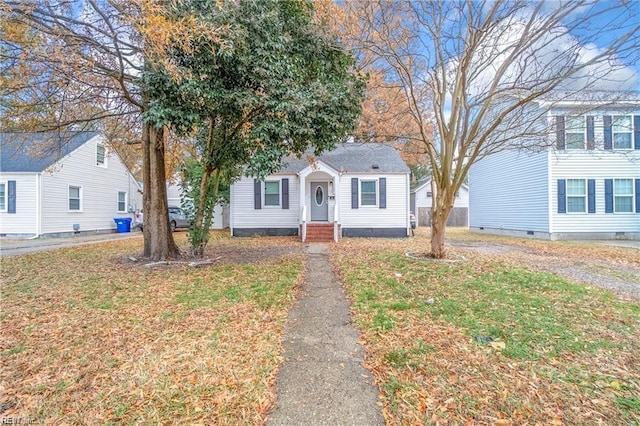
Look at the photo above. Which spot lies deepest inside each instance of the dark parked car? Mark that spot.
(177, 219)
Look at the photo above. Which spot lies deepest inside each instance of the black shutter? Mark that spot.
(637, 195)
(354, 193)
(257, 194)
(560, 132)
(608, 144)
(285, 193)
(636, 131)
(11, 196)
(591, 195)
(591, 138)
(608, 195)
(562, 196)
(382, 183)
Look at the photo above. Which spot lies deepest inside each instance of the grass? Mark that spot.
(90, 338)
(570, 352)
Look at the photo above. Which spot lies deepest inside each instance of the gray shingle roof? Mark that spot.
(354, 158)
(34, 152)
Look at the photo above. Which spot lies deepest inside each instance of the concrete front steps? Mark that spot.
(319, 232)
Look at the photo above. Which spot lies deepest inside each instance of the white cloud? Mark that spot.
(550, 52)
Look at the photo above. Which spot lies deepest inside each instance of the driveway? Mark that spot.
(14, 247)
(591, 262)
(616, 243)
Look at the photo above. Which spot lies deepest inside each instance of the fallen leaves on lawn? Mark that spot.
(432, 372)
(88, 339)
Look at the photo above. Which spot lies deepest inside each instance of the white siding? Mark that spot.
(244, 215)
(509, 190)
(394, 216)
(100, 187)
(174, 195)
(423, 200)
(24, 222)
(598, 166)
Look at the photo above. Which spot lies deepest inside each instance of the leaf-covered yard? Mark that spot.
(494, 339)
(89, 337)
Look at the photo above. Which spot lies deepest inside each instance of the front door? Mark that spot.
(319, 205)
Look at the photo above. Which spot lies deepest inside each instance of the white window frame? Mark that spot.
(429, 194)
(376, 192)
(264, 194)
(5, 198)
(583, 196)
(79, 198)
(104, 155)
(575, 131)
(615, 131)
(126, 199)
(616, 196)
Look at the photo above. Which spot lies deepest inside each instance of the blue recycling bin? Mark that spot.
(123, 224)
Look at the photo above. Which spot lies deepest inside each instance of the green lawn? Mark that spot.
(90, 338)
(487, 341)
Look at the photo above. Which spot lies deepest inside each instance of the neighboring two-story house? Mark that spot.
(53, 184)
(586, 185)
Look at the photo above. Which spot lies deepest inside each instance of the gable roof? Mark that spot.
(34, 152)
(352, 157)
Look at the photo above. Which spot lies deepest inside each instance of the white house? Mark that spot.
(356, 190)
(52, 184)
(422, 197)
(585, 185)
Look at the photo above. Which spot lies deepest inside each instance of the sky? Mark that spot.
(606, 33)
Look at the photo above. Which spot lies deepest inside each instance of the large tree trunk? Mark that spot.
(441, 205)
(438, 226)
(158, 239)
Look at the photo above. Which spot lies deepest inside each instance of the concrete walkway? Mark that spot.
(322, 380)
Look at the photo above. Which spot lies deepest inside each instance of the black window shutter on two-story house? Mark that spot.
(636, 137)
(608, 134)
(591, 134)
(608, 195)
(591, 196)
(562, 196)
(560, 133)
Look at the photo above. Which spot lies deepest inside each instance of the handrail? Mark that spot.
(336, 234)
(303, 223)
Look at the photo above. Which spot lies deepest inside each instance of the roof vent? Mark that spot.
(375, 166)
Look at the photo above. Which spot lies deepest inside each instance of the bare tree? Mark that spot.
(473, 71)
(74, 63)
